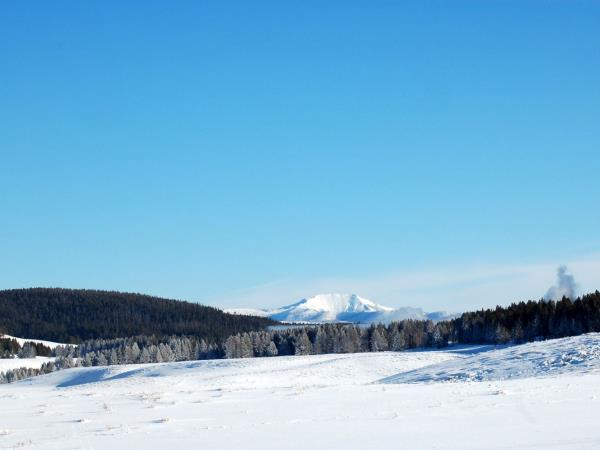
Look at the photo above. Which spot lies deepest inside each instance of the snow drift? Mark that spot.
(535, 359)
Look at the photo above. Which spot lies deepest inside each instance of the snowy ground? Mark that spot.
(540, 395)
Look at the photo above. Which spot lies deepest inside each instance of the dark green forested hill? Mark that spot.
(71, 315)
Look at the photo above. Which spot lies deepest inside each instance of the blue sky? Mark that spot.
(243, 154)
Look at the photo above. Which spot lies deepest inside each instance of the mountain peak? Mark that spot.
(336, 302)
(330, 307)
(339, 307)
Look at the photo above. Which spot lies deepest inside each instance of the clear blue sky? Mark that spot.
(196, 151)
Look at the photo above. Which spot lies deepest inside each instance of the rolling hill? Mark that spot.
(72, 315)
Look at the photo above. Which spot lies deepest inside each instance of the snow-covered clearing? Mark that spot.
(16, 363)
(52, 345)
(540, 395)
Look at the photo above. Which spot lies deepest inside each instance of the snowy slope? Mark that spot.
(21, 341)
(340, 308)
(16, 363)
(319, 402)
(552, 357)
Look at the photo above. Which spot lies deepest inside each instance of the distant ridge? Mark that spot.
(336, 307)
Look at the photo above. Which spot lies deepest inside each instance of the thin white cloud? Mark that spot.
(455, 289)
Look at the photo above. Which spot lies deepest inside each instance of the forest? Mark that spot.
(74, 315)
(528, 321)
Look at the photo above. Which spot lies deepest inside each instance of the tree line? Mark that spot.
(338, 338)
(528, 321)
(10, 348)
(308, 340)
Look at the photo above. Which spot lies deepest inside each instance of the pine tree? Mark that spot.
(272, 349)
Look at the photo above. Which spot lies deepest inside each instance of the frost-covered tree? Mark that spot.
(302, 344)
(145, 356)
(100, 360)
(271, 349)
(27, 351)
(397, 340)
(246, 350)
(233, 347)
(377, 341)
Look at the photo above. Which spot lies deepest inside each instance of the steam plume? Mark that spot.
(565, 286)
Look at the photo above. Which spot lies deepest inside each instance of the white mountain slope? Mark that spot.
(340, 308)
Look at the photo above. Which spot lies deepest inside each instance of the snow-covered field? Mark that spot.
(540, 395)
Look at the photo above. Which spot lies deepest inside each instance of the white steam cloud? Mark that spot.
(565, 286)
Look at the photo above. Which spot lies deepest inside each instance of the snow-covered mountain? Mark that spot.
(340, 308)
